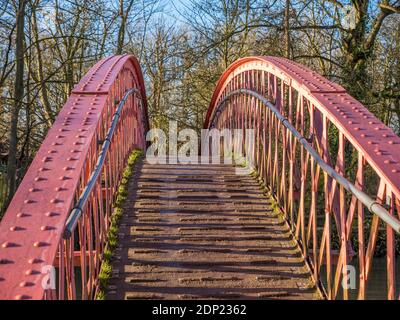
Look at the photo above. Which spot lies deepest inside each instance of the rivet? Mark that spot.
(376, 128)
(45, 228)
(385, 135)
(391, 142)
(31, 272)
(38, 244)
(370, 142)
(71, 159)
(350, 122)
(395, 170)
(58, 189)
(357, 129)
(56, 144)
(34, 260)
(77, 143)
(52, 151)
(27, 201)
(63, 178)
(74, 151)
(22, 297)
(46, 159)
(22, 215)
(363, 135)
(26, 284)
(9, 244)
(16, 228)
(33, 190)
(43, 169)
(51, 214)
(55, 200)
(39, 179)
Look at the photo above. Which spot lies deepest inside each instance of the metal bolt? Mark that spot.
(26, 284)
(34, 260)
(38, 244)
(22, 215)
(51, 214)
(31, 272)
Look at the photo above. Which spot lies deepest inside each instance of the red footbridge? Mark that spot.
(326, 164)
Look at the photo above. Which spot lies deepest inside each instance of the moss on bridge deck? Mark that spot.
(201, 231)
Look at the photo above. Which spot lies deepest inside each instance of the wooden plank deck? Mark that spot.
(203, 232)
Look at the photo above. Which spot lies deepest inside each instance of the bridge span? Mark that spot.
(203, 232)
(329, 167)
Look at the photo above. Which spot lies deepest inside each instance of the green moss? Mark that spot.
(112, 236)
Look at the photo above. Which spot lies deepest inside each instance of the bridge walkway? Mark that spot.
(203, 232)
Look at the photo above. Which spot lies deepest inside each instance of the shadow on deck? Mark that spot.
(203, 232)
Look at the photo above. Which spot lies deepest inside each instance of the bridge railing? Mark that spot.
(306, 126)
(70, 186)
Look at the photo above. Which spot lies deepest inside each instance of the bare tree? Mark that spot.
(18, 96)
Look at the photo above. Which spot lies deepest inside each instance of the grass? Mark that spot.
(112, 236)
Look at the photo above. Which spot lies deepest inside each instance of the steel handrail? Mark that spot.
(77, 211)
(370, 203)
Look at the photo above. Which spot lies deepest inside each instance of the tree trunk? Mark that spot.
(121, 31)
(40, 74)
(287, 30)
(18, 97)
(124, 14)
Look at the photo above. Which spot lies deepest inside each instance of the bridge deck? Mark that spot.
(201, 231)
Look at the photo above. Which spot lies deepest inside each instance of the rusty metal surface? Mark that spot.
(200, 231)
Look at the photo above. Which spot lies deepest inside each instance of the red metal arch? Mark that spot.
(290, 107)
(31, 230)
(378, 144)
